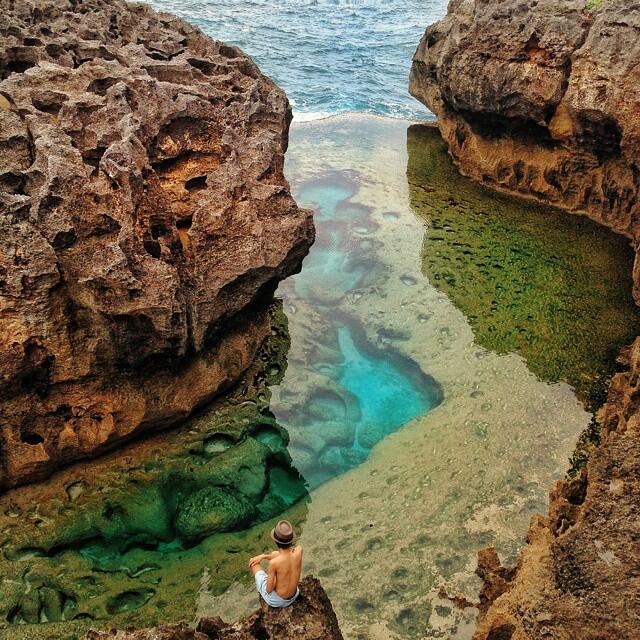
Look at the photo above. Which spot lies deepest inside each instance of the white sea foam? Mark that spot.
(301, 117)
(308, 116)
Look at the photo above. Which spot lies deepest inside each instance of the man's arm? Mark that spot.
(263, 556)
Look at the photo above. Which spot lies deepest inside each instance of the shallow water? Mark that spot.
(387, 534)
(420, 440)
(330, 56)
(529, 280)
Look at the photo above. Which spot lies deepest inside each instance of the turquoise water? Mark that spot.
(386, 396)
(330, 56)
(361, 392)
(333, 267)
(363, 395)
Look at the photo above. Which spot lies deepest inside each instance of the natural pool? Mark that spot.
(419, 436)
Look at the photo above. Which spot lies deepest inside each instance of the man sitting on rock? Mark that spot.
(279, 588)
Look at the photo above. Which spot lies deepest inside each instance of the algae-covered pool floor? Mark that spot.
(428, 398)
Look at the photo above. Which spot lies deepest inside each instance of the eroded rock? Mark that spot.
(541, 100)
(146, 222)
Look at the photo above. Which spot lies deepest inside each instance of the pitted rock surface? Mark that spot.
(145, 223)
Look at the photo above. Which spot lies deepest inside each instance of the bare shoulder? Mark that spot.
(298, 549)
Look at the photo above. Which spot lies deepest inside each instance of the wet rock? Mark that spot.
(145, 223)
(540, 99)
(165, 632)
(211, 510)
(311, 617)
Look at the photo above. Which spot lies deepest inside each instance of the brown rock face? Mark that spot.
(311, 617)
(541, 99)
(145, 223)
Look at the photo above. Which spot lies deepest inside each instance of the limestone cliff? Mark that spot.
(542, 99)
(145, 223)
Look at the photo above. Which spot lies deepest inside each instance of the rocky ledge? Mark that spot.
(541, 99)
(311, 617)
(577, 576)
(146, 222)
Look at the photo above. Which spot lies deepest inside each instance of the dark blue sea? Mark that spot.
(329, 56)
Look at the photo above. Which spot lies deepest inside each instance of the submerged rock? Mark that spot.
(311, 617)
(541, 99)
(146, 222)
(577, 576)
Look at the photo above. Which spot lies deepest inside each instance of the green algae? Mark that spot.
(530, 279)
(123, 540)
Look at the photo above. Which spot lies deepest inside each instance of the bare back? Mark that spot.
(285, 570)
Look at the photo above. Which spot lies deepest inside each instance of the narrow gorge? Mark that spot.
(395, 328)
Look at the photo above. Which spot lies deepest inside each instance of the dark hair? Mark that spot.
(283, 545)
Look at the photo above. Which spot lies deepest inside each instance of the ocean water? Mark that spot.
(330, 56)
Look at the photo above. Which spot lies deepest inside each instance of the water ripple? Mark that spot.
(330, 56)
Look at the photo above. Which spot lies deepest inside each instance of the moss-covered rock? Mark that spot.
(123, 540)
(212, 510)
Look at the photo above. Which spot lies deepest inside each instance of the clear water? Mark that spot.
(420, 441)
(417, 406)
(386, 399)
(330, 56)
(366, 391)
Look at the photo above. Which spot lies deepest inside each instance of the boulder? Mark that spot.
(310, 617)
(146, 222)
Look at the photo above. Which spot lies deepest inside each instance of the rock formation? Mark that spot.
(146, 222)
(542, 100)
(311, 617)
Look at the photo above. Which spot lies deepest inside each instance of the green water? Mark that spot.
(423, 391)
(530, 280)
